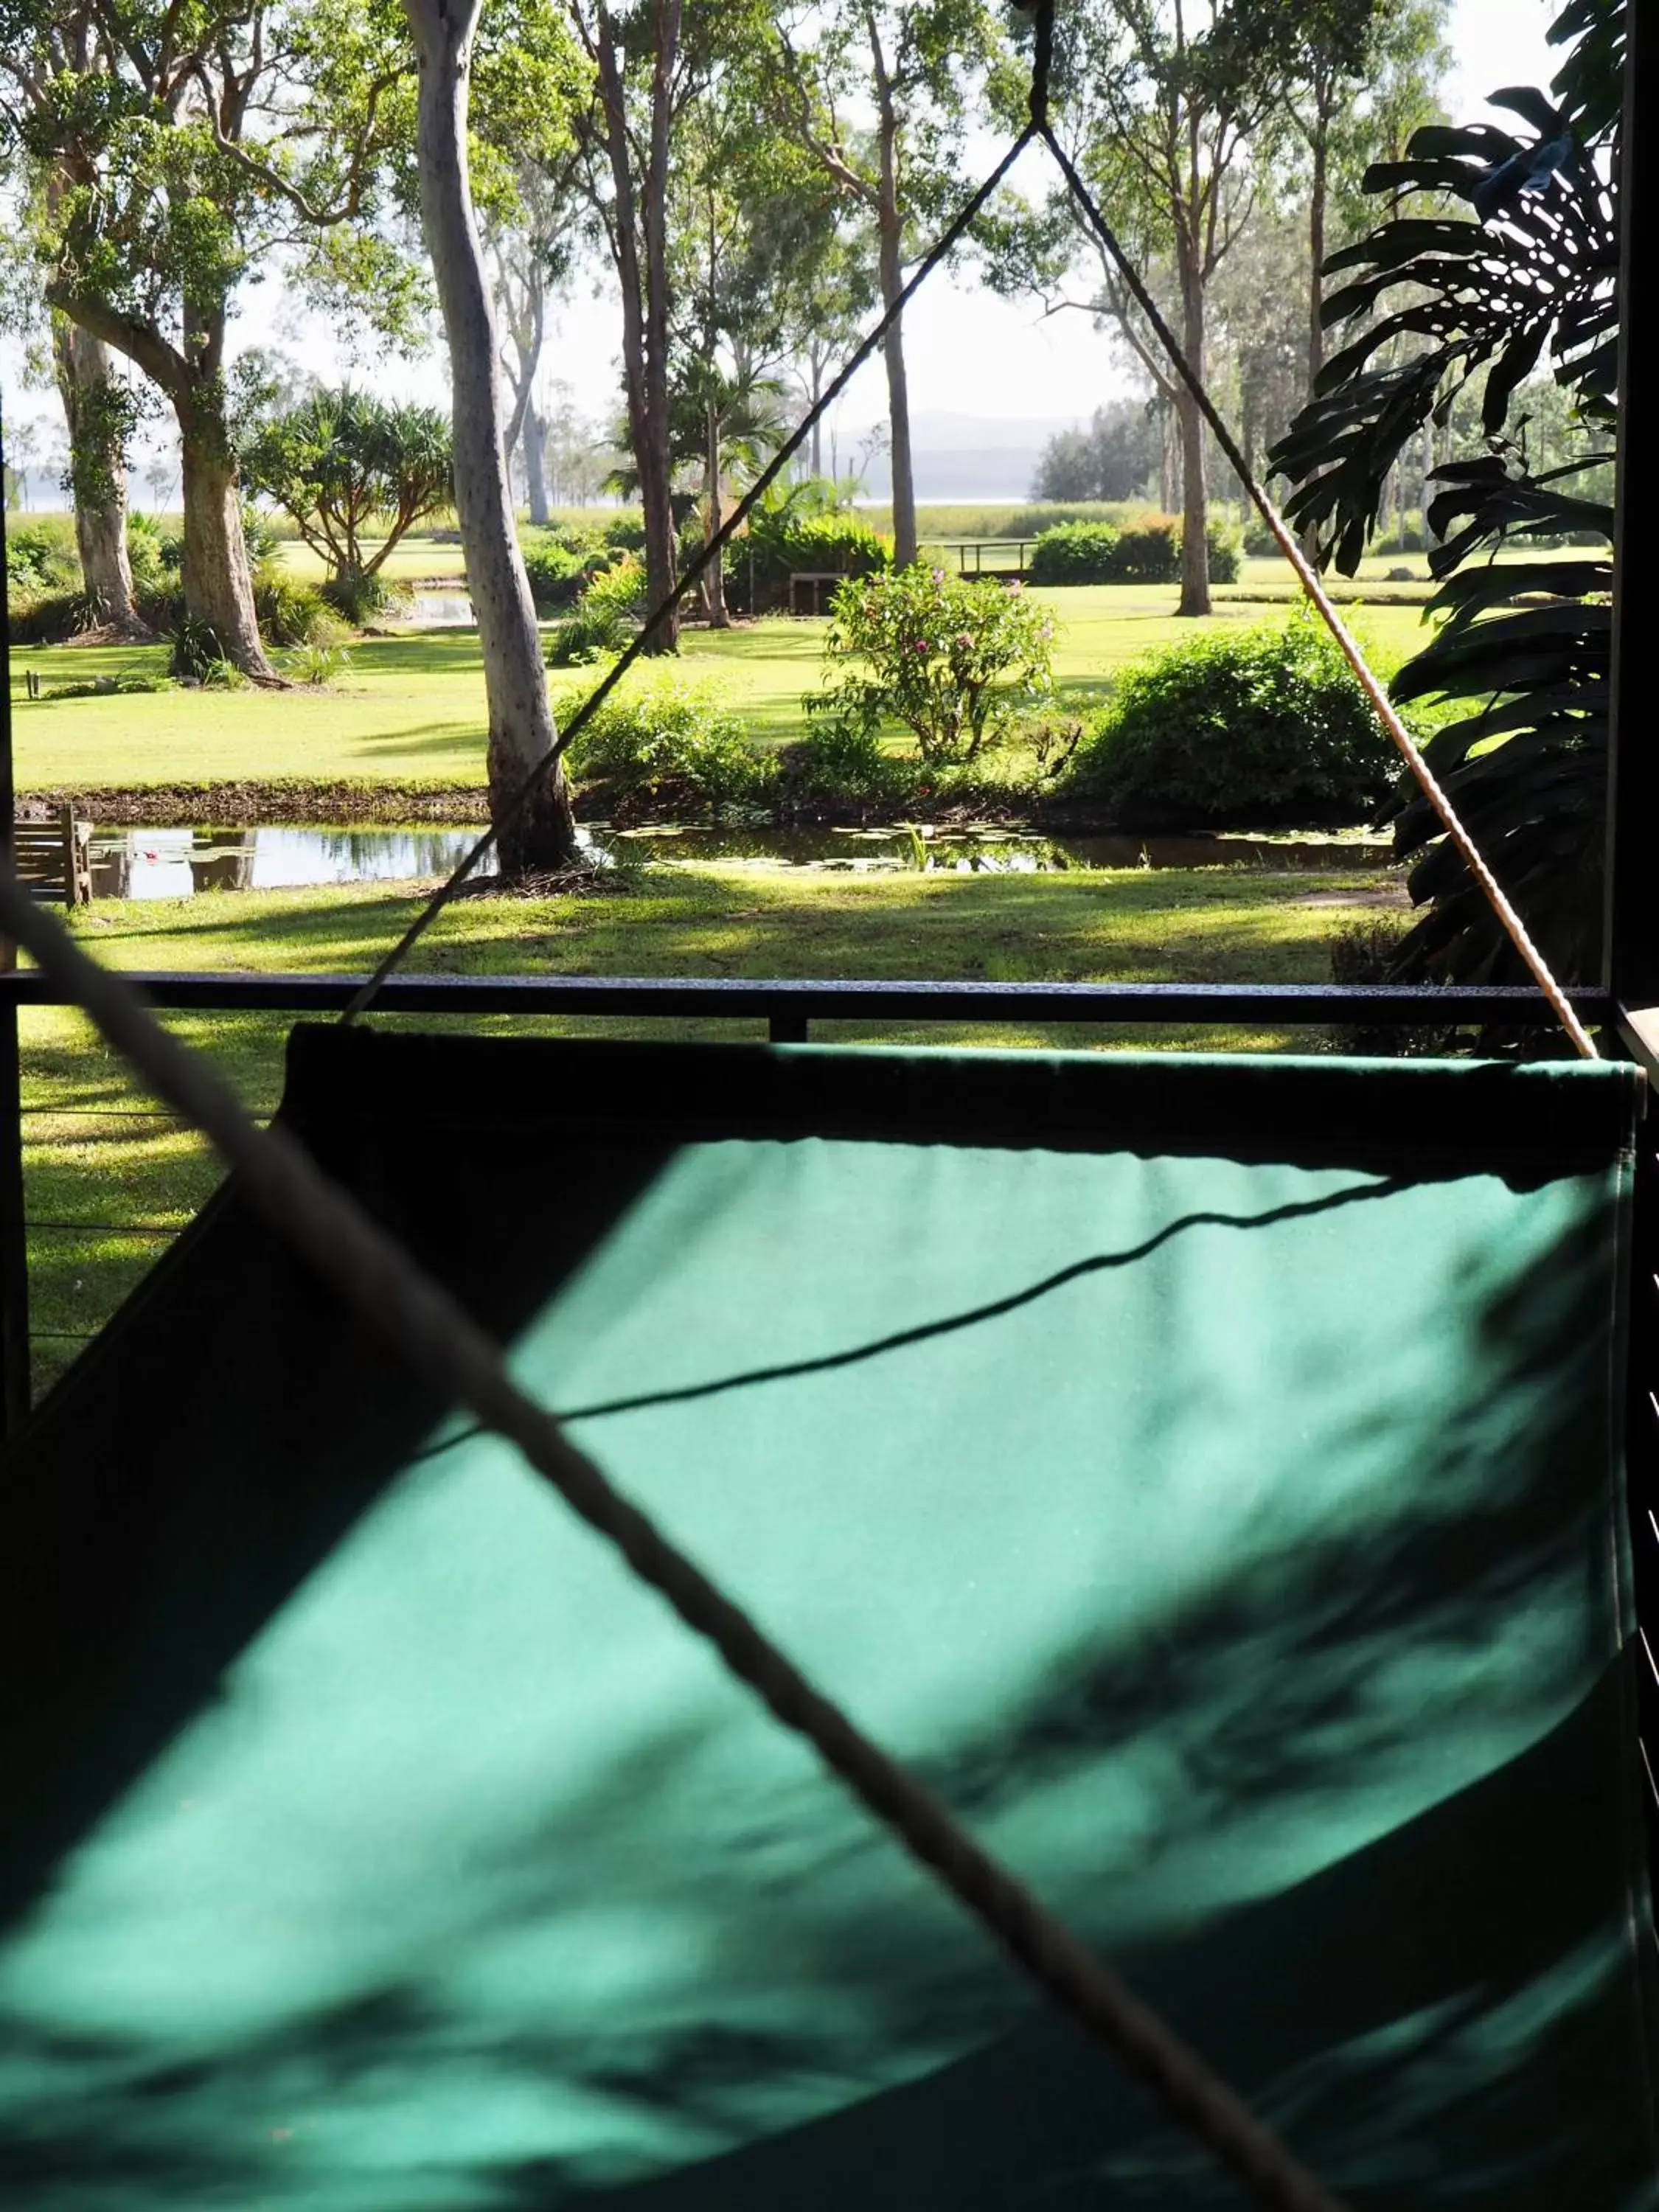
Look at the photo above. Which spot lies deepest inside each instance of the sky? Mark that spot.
(969, 354)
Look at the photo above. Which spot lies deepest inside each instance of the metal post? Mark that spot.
(1629, 958)
(13, 1240)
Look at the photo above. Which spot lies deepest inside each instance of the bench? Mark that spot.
(54, 858)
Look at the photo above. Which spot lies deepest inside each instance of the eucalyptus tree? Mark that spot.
(882, 95)
(753, 221)
(99, 406)
(1112, 458)
(533, 234)
(173, 150)
(646, 68)
(530, 801)
(1162, 100)
(1355, 78)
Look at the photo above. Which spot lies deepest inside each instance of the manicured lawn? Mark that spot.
(411, 708)
(412, 559)
(116, 1180)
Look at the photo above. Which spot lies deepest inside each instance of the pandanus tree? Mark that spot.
(1505, 259)
(352, 471)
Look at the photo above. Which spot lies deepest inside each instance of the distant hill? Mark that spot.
(967, 457)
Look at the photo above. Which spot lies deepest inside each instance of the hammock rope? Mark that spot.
(383, 1286)
(1038, 130)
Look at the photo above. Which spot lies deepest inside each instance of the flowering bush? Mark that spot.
(952, 659)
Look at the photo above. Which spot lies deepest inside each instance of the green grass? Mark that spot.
(411, 558)
(117, 1179)
(410, 709)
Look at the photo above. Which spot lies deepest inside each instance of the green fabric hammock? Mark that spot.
(1207, 1472)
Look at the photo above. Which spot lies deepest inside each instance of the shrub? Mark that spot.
(196, 650)
(1369, 952)
(787, 541)
(291, 612)
(41, 555)
(318, 665)
(1266, 724)
(625, 532)
(1145, 551)
(620, 588)
(360, 597)
(1076, 553)
(603, 620)
(43, 618)
(668, 745)
(842, 759)
(1149, 551)
(575, 535)
(586, 635)
(1048, 514)
(555, 570)
(144, 552)
(260, 535)
(1226, 548)
(952, 659)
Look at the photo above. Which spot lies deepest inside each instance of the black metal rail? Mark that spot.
(789, 1005)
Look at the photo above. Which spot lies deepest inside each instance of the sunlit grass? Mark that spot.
(115, 1178)
(411, 709)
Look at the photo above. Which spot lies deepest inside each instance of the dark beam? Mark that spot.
(1630, 963)
(13, 1241)
(788, 1002)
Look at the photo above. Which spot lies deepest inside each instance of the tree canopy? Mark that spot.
(345, 465)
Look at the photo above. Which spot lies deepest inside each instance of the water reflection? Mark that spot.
(974, 851)
(143, 863)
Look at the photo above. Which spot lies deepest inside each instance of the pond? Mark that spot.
(144, 863)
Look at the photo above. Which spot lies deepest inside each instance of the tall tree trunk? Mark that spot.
(640, 243)
(217, 577)
(898, 402)
(1318, 198)
(1169, 427)
(719, 617)
(97, 417)
(535, 464)
(661, 544)
(541, 833)
(1194, 492)
(218, 582)
(890, 262)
